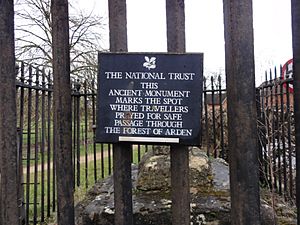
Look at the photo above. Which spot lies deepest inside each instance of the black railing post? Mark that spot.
(207, 136)
(86, 133)
(49, 123)
(282, 125)
(28, 147)
(94, 129)
(261, 133)
(222, 153)
(20, 147)
(77, 130)
(43, 127)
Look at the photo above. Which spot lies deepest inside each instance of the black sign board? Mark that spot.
(149, 98)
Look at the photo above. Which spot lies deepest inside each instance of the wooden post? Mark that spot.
(296, 74)
(179, 154)
(180, 185)
(175, 26)
(121, 152)
(122, 184)
(62, 111)
(242, 130)
(8, 118)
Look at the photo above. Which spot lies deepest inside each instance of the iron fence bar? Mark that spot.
(74, 137)
(259, 121)
(264, 92)
(210, 90)
(21, 125)
(221, 119)
(85, 94)
(43, 127)
(86, 134)
(270, 83)
(20, 191)
(275, 130)
(54, 163)
(268, 150)
(146, 148)
(273, 133)
(94, 131)
(49, 154)
(279, 169)
(30, 86)
(139, 152)
(213, 118)
(206, 117)
(102, 160)
(290, 145)
(29, 112)
(109, 158)
(78, 139)
(270, 137)
(36, 149)
(283, 137)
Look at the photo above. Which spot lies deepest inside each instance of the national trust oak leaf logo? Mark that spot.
(150, 63)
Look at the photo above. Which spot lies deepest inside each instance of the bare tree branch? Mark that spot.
(33, 37)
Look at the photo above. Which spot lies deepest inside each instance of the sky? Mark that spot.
(146, 30)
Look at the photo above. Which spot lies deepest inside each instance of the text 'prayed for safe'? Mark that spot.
(149, 98)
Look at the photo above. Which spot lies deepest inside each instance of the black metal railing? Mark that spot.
(276, 133)
(214, 118)
(92, 162)
(36, 152)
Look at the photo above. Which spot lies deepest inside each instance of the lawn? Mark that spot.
(42, 204)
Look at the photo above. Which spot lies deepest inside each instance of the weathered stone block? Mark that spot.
(210, 194)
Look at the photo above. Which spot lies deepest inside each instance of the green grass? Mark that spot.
(87, 179)
(82, 151)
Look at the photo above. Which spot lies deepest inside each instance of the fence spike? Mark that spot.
(37, 75)
(43, 78)
(212, 81)
(266, 75)
(30, 75)
(22, 78)
(219, 79)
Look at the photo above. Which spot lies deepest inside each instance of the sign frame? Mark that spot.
(149, 98)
